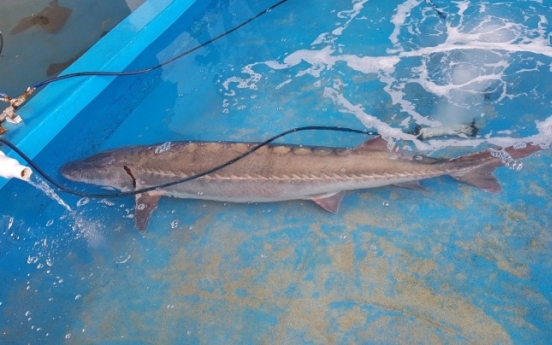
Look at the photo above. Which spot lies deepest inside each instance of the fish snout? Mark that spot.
(72, 171)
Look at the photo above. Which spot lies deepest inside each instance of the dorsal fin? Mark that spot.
(376, 144)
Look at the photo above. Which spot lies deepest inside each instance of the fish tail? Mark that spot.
(485, 162)
(517, 153)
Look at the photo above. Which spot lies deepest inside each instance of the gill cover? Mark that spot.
(102, 169)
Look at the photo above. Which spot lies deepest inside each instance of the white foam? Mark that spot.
(244, 83)
(369, 121)
(399, 19)
(90, 230)
(472, 60)
(282, 84)
(349, 15)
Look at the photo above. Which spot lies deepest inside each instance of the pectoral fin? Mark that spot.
(23, 25)
(145, 204)
(329, 202)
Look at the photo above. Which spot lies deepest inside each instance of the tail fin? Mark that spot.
(485, 162)
(522, 152)
(482, 177)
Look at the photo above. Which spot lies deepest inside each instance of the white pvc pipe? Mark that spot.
(10, 168)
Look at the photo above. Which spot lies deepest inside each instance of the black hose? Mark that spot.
(1, 43)
(440, 12)
(64, 189)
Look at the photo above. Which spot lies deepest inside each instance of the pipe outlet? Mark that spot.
(10, 168)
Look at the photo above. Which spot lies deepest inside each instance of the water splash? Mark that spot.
(91, 231)
(40, 184)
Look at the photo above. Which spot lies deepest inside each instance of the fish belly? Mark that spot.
(273, 190)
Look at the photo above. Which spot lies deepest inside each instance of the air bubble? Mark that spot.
(174, 224)
(163, 147)
(521, 145)
(50, 222)
(506, 159)
(141, 207)
(82, 202)
(107, 202)
(385, 203)
(373, 247)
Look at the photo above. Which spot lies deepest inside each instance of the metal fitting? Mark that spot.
(9, 113)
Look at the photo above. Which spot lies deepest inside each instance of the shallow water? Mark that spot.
(32, 52)
(450, 264)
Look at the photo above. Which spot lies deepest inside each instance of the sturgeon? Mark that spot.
(275, 172)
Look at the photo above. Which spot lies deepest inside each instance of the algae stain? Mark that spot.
(343, 257)
(352, 318)
(539, 191)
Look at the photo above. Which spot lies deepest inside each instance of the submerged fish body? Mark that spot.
(51, 19)
(273, 172)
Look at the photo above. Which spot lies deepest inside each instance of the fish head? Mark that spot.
(103, 169)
